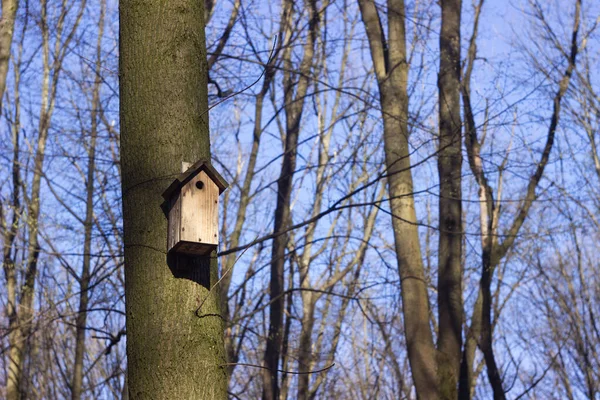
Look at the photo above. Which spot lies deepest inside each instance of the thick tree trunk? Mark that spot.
(450, 308)
(174, 349)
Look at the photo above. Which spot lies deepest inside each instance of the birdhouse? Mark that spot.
(192, 208)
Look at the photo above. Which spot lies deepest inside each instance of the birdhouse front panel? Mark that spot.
(192, 208)
(199, 215)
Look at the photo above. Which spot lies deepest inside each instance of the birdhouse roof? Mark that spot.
(185, 177)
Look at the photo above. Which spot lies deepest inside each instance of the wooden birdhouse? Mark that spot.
(192, 208)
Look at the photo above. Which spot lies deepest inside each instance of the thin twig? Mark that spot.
(280, 370)
(219, 281)
(247, 87)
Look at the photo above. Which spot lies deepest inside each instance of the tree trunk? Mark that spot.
(304, 345)
(174, 348)
(10, 234)
(450, 308)
(294, 105)
(21, 321)
(84, 279)
(234, 237)
(7, 28)
(391, 68)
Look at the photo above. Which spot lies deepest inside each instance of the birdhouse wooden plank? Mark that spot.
(192, 202)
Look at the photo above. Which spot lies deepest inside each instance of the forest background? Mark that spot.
(530, 180)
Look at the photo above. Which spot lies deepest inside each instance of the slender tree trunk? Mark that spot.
(20, 329)
(234, 239)
(285, 340)
(481, 329)
(391, 68)
(84, 279)
(276, 287)
(7, 28)
(467, 376)
(294, 105)
(355, 266)
(415, 301)
(309, 298)
(10, 232)
(450, 308)
(174, 348)
(304, 346)
(486, 213)
(21, 323)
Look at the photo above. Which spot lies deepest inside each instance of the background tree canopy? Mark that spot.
(413, 207)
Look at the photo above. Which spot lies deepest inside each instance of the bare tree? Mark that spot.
(493, 251)
(21, 320)
(295, 88)
(84, 279)
(345, 306)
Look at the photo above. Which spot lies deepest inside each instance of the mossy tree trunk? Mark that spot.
(174, 349)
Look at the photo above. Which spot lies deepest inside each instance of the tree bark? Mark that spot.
(174, 328)
(450, 308)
